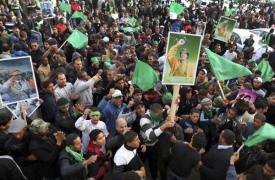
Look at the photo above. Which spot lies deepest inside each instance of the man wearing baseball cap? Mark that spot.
(111, 105)
(18, 148)
(46, 145)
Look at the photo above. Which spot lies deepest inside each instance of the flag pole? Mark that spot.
(221, 89)
(61, 46)
(174, 103)
(240, 148)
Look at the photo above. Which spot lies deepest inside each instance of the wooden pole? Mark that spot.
(174, 104)
(61, 46)
(240, 148)
(223, 97)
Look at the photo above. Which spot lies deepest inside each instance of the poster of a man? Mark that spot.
(29, 106)
(18, 85)
(181, 58)
(46, 9)
(224, 29)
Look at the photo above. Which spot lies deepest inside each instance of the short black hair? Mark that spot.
(46, 83)
(156, 107)
(5, 118)
(130, 136)
(260, 116)
(70, 139)
(130, 175)
(261, 104)
(42, 58)
(80, 74)
(17, 47)
(61, 101)
(94, 133)
(234, 109)
(22, 34)
(229, 136)
(194, 110)
(199, 140)
(5, 47)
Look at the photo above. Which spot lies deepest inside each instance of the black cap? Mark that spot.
(137, 90)
(138, 103)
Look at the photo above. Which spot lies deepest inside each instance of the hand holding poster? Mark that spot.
(225, 28)
(181, 59)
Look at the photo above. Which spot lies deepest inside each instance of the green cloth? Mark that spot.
(267, 38)
(78, 39)
(133, 21)
(65, 7)
(79, 158)
(176, 8)
(131, 29)
(228, 12)
(267, 131)
(78, 14)
(111, 9)
(145, 77)
(265, 68)
(225, 69)
(95, 59)
(107, 65)
(167, 98)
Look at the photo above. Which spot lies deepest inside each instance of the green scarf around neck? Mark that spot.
(79, 158)
(210, 114)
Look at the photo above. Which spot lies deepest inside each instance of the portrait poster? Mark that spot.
(46, 9)
(247, 96)
(17, 80)
(224, 29)
(181, 61)
(29, 105)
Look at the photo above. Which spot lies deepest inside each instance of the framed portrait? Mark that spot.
(46, 9)
(29, 105)
(17, 80)
(182, 55)
(224, 28)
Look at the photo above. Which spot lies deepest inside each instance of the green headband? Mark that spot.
(94, 113)
(65, 105)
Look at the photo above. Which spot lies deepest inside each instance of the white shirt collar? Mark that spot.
(224, 146)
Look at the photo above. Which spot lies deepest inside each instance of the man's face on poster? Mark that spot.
(45, 6)
(16, 76)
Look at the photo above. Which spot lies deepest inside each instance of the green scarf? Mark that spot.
(267, 38)
(209, 114)
(246, 25)
(79, 158)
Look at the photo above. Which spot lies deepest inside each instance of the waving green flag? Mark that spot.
(145, 77)
(225, 69)
(133, 21)
(78, 14)
(265, 68)
(78, 39)
(65, 7)
(176, 8)
(267, 131)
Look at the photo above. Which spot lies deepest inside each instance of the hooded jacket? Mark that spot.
(70, 66)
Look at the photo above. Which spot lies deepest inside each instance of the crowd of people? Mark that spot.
(93, 123)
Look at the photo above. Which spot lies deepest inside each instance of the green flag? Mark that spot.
(65, 7)
(133, 21)
(176, 8)
(78, 14)
(131, 29)
(267, 131)
(228, 12)
(78, 39)
(145, 77)
(225, 69)
(265, 68)
(111, 9)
